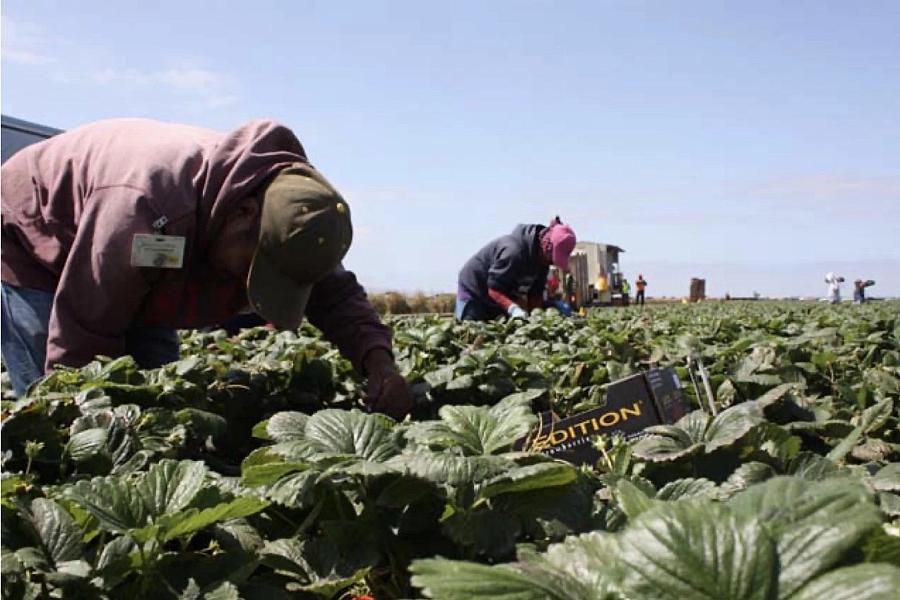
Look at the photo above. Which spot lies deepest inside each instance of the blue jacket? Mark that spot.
(510, 264)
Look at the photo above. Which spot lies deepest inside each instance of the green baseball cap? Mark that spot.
(304, 233)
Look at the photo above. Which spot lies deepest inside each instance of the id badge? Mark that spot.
(157, 251)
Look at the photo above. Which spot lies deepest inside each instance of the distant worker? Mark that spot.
(569, 288)
(117, 233)
(602, 284)
(555, 294)
(509, 275)
(859, 290)
(553, 283)
(834, 287)
(626, 291)
(641, 285)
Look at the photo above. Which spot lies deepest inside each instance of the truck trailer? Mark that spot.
(16, 134)
(598, 276)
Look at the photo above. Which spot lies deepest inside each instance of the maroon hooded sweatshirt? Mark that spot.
(71, 206)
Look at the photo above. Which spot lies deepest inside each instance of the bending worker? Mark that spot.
(119, 232)
(509, 275)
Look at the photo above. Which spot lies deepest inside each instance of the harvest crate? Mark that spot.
(632, 404)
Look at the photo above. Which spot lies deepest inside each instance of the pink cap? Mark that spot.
(562, 239)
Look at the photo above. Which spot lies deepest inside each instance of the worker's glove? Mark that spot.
(563, 307)
(387, 392)
(516, 312)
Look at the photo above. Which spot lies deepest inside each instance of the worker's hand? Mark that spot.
(387, 392)
(516, 312)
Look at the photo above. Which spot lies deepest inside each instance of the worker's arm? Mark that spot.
(338, 306)
(502, 276)
(535, 297)
(99, 292)
(500, 299)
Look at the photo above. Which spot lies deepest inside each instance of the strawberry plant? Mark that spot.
(249, 469)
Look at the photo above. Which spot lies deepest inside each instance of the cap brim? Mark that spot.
(275, 296)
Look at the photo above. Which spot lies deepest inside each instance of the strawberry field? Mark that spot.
(249, 469)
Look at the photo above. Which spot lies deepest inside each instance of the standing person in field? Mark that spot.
(641, 285)
(569, 288)
(117, 233)
(859, 290)
(509, 275)
(834, 287)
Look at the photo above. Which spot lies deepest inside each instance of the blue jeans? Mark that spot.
(25, 324)
(473, 310)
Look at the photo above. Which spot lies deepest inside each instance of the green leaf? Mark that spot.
(667, 443)
(874, 417)
(889, 503)
(192, 520)
(887, 479)
(731, 425)
(354, 433)
(815, 544)
(452, 470)
(117, 505)
(697, 549)
(319, 565)
(295, 490)
(457, 580)
(860, 582)
(69, 572)
(86, 444)
(632, 500)
(480, 430)
(10, 564)
(287, 426)
(784, 501)
(404, 490)
(202, 424)
(590, 559)
(658, 448)
(531, 477)
(814, 523)
(225, 591)
(879, 546)
(839, 452)
(694, 425)
(238, 536)
(169, 486)
(269, 473)
(260, 431)
(745, 476)
(688, 488)
(114, 563)
(59, 534)
(813, 467)
(33, 558)
(484, 532)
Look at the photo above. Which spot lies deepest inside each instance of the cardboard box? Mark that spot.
(632, 404)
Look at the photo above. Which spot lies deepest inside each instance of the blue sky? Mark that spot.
(754, 143)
